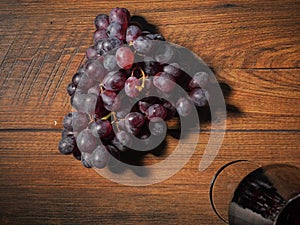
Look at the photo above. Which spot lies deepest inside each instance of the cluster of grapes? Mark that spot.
(127, 87)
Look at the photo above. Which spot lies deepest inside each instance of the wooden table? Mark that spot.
(253, 46)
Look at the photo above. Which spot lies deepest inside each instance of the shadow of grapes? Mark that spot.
(143, 24)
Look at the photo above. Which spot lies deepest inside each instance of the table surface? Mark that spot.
(253, 47)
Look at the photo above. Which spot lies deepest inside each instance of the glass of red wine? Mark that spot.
(245, 193)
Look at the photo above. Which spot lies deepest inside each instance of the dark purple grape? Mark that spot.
(121, 113)
(71, 89)
(80, 121)
(199, 97)
(183, 80)
(77, 153)
(164, 53)
(184, 106)
(143, 45)
(133, 121)
(100, 110)
(152, 100)
(101, 21)
(172, 69)
(95, 70)
(86, 141)
(124, 57)
(84, 103)
(113, 151)
(199, 80)
(66, 145)
(107, 139)
(111, 100)
(132, 33)
(110, 62)
(110, 44)
(145, 32)
(101, 128)
(148, 85)
(171, 110)
(132, 87)
(67, 133)
(85, 83)
(118, 145)
(99, 35)
(116, 30)
(100, 58)
(157, 126)
(86, 159)
(80, 69)
(76, 78)
(68, 122)
(150, 66)
(95, 90)
(156, 110)
(143, 106)
(100, 157)
(99, 46)
(114, 81)
(124, 140)
(157, 37)
(119, 15)
(164, 82)
(76, 100)
(89, 103)
(91, 53)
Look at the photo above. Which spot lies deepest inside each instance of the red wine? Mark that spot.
(290, 213)
(269, 195)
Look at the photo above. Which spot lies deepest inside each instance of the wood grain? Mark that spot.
(56, 189)
(254, 49)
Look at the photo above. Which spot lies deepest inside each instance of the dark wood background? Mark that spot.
(253, 46)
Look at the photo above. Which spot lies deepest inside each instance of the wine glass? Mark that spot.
(245, 193)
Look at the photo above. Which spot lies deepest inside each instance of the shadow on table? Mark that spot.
(143, 24)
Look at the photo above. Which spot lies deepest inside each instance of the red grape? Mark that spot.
(164, 82)
(114, 81)
(183, 106)
(199, 97)
(125, 57)
(156, 110)
(101, 21)
(132, 87)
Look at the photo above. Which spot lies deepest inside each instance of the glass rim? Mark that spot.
(214, 179)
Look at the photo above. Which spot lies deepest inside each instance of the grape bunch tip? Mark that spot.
(122, 65)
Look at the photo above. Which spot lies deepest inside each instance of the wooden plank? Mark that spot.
(41, 186)
(239, 35)
(258, 99)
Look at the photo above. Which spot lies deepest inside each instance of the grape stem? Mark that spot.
(107, 116)
(114, 116)
(91, 118)
(115, 120)
(143, 78)
(141, 87)
(101, 88)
